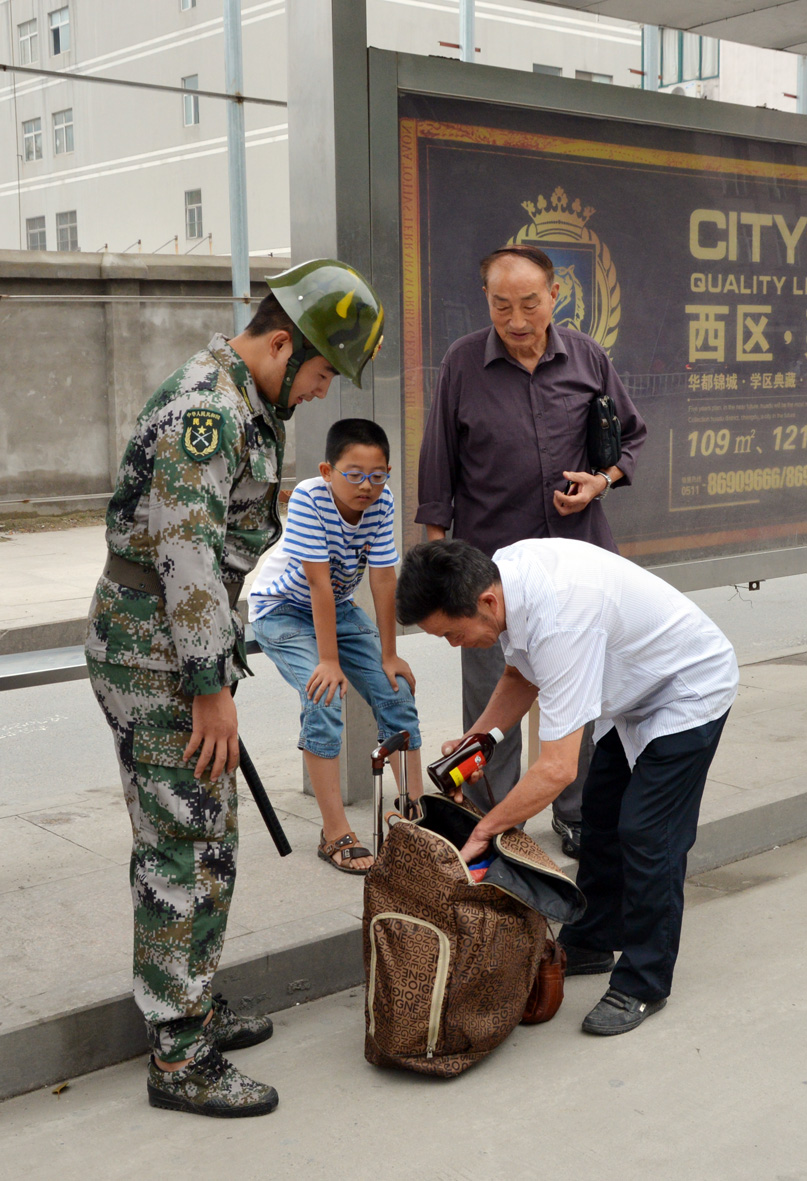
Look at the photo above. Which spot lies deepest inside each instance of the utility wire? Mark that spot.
(66, 76)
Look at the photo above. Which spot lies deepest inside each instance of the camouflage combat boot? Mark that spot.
(209, 1085)
(230, 1031)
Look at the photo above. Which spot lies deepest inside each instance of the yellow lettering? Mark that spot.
(756, 221)
(790, 237)
(709, 217)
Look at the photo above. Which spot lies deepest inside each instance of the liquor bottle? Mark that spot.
(473, 753)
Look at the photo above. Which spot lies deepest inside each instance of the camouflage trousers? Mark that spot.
(185, 839)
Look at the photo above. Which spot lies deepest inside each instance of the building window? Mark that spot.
(35, 230)
(193, 213)
(555, 71)
(184, 5)
(190, 102)
(32, 139)
(686, 57)
(29, 42)
(60, 30)
(587, 76)
(63, 131)
(66, 231)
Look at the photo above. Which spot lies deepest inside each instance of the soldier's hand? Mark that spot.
(215, 729)
(326, 678)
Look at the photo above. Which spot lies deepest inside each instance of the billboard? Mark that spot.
(684, 253)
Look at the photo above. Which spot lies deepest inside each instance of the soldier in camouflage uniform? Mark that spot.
(194, 507)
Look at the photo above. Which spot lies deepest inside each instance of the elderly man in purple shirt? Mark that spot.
(504, 458)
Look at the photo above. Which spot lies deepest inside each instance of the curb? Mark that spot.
(308, 964)
(91, 1036)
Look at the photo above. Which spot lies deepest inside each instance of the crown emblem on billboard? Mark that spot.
(589, 298)
(543, 215)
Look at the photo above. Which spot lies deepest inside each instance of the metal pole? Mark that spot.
(467, 30)
(801, 84)
(237, 164)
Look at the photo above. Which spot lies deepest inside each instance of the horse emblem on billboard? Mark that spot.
(589, 298)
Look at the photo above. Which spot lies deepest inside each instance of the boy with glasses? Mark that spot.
(304, 618)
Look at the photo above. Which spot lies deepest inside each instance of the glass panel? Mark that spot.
(35, 230)
(60, 30)
(710, 57)
(193, 213)
(670, 42)
(692, 57)
(29, 51)
(32, 139)
(66, 231)
(63, 131)
(190, 103)
(588, 76)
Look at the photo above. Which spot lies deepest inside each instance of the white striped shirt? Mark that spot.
(603, 639)
(317, 532)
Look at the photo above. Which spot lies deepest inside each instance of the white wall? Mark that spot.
(133, 158)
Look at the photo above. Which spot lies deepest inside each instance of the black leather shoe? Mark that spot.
(618, 1013)
(585, 961)
(569, 834)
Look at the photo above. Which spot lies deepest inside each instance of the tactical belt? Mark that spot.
(135, 576)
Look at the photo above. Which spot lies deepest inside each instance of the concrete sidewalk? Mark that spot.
(294, 931)
(710, 1089)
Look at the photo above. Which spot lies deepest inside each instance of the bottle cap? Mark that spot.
(496, 734)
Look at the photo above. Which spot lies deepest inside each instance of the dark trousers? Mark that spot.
(637, 829)
(481, 671)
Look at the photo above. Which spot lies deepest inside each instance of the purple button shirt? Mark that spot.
(498, 439)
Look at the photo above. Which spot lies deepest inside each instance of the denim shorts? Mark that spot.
(288, 638)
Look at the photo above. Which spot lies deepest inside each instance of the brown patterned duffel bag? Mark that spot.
(450, 962)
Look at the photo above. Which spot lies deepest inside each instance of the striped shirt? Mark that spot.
(603, 639)
(317, 532)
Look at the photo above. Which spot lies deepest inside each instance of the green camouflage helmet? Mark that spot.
(335, 309)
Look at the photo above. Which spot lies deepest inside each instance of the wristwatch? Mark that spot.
(608, 483)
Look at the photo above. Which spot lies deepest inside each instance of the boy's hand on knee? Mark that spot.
(393, 668)
(326, 678)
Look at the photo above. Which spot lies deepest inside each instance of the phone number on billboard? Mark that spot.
(760, 479)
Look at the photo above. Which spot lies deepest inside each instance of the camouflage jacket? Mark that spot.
(196, 498)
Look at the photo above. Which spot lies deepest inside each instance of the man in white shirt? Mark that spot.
(601, 639)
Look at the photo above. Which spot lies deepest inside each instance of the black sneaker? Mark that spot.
(585, 961)
(209, 1085)
(230, 1031)
(618, 1013)
(569, 836)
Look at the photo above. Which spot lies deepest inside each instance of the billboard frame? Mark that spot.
(390, 74)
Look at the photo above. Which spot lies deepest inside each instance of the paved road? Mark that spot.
(714, 1088)
(54, 738)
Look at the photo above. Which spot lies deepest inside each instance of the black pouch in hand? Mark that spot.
(604, 433)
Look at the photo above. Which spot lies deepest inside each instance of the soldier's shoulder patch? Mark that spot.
(202, 432)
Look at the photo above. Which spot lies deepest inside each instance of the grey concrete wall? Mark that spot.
(84, 341)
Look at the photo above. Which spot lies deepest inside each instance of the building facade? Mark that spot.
(87, 166)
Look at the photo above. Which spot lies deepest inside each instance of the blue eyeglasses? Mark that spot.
(375, 478)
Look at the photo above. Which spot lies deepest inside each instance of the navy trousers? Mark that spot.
(637, 828)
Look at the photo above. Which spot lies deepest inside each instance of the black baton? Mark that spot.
(262, 800)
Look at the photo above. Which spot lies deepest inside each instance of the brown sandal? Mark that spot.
(348, 846)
